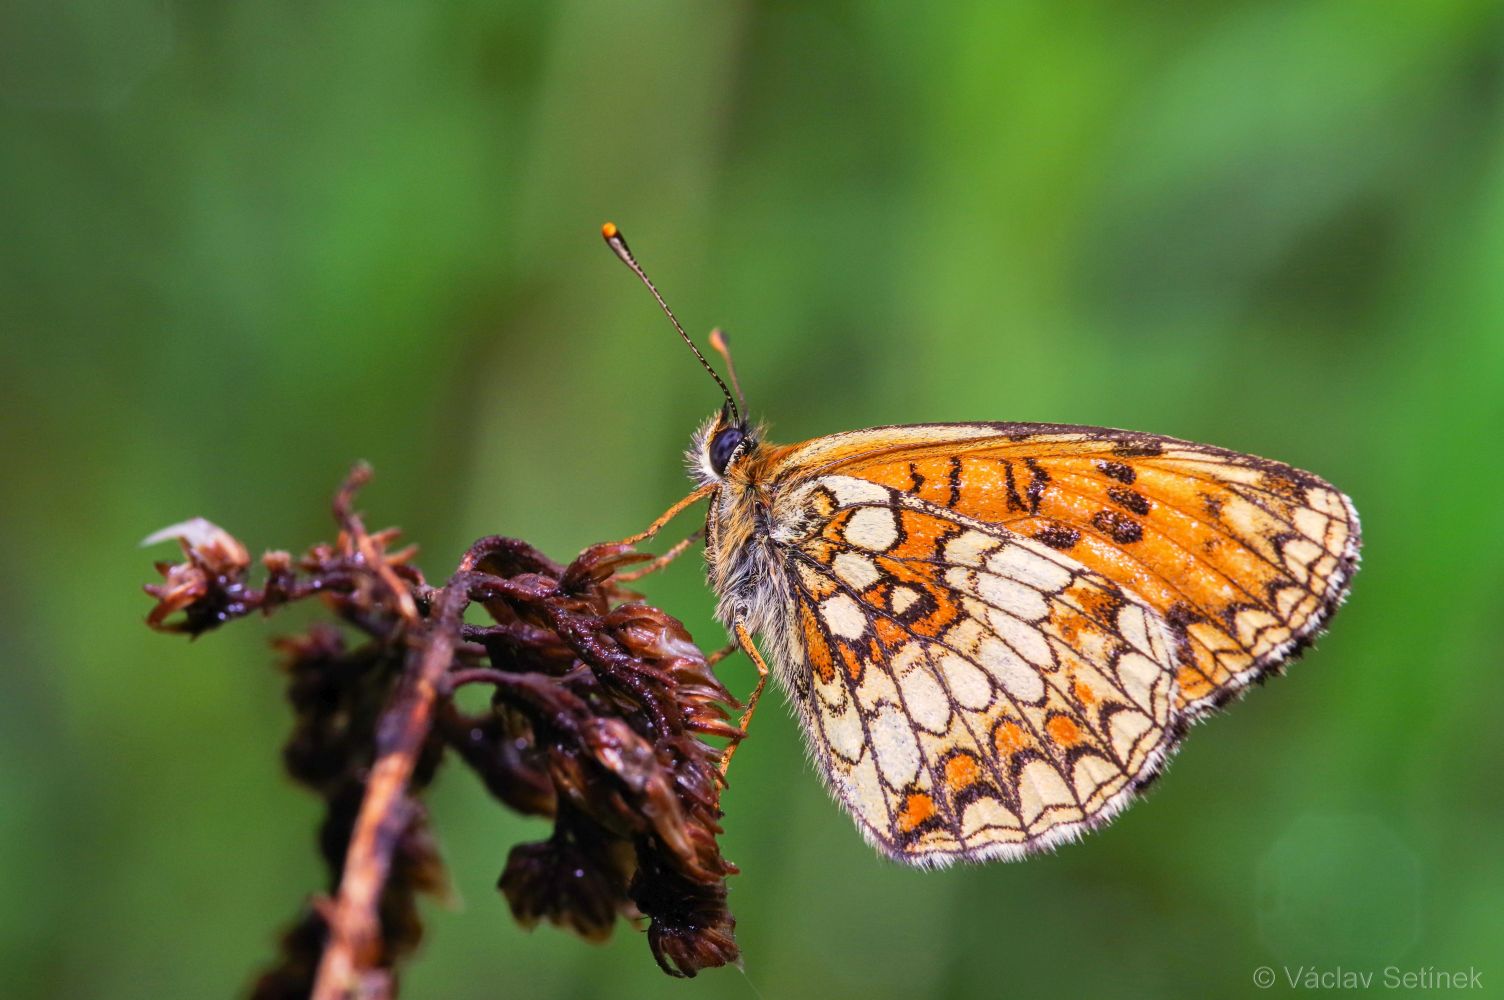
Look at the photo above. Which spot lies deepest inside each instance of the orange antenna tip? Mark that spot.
(618, 244)
(722, 346)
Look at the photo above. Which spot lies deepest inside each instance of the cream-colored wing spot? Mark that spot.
(988, 696)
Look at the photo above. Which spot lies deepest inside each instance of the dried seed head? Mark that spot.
(576, 880)
(616, 711)
(598, 719)
(207, 586)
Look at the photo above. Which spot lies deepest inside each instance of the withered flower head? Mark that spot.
(598, 717)
(207, 584)
(609, 702)
(577, 879)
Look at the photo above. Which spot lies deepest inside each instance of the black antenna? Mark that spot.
(723, 348)
(618, 245)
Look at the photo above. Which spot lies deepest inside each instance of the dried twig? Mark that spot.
(354, 948)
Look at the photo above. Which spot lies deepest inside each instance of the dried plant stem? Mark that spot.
(351, 967)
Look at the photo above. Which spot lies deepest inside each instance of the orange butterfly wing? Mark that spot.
(969, 693)
(1244, 558)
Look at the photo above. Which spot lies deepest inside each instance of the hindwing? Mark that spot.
(971, 693)
(999, 632)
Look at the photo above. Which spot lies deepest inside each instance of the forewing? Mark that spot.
(1245, 558)
(970, 693)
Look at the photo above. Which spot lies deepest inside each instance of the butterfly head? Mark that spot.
(721, 443)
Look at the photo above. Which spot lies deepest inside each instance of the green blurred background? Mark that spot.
(246, 244)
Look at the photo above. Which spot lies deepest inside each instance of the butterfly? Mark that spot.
(996, 634)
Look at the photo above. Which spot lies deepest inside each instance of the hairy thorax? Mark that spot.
(752, 517)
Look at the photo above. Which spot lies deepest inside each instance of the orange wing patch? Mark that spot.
(992, 696)
(1244, 558)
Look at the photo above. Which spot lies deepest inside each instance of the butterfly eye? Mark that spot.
(723, 446)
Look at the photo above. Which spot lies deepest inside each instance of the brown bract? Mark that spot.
(597, 719)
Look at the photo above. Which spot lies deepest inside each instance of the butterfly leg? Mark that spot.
(744, 639)
(669, 515)
(673, 553)
(722, 653)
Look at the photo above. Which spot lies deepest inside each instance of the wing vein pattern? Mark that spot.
(996, 635)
